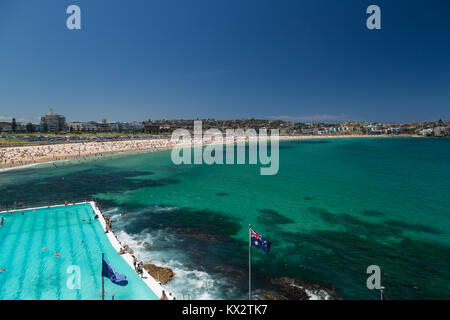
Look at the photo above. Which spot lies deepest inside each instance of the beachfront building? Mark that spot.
(103, 126)
(132, 126)
(426, 132)
(75, 126)
(90, 126)
(5, 126)
(438, 131)
(53, 122)
(149, 127)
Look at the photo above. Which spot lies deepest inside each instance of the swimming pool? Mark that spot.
(33, 273)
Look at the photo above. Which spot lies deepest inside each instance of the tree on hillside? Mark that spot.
(14, 125)
(30, 127)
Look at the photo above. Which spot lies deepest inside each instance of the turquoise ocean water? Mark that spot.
(335, 207)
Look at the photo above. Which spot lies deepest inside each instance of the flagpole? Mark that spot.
(103, 279)
(249, 263)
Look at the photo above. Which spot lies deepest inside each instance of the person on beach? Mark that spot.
(163, 296)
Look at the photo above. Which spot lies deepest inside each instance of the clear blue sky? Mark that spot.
(289, 59)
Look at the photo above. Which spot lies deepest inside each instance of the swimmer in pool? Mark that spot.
(57, 254)
(2, 269)
(43, 249)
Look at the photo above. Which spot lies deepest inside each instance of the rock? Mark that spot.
(202, 235)
(289, 288)
(144, 244)
(161, 274)
(234, 275)
(295, 289)
(205, 237)
(128, 249)
(269, 295)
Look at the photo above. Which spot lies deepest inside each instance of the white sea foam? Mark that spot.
(26, 166)
(188, 283)
(112, 212)
(315, 294)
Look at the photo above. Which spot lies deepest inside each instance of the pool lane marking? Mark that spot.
(24, 265)
(51, 250)
(60, 259)
(89, 255)
(73, 255)
(10, 256)
(43, 260)
(4, 231)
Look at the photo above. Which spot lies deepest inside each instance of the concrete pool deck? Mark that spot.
(150, 283)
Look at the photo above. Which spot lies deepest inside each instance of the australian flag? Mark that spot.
(259, 242)
(109, 272)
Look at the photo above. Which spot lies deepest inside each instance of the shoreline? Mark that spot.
(23, 157)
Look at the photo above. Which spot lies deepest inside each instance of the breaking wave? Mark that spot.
(166, 250)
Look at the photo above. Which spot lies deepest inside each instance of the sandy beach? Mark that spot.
(30, 155)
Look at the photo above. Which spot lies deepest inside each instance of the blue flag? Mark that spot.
(109, 272)
(259, 241)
